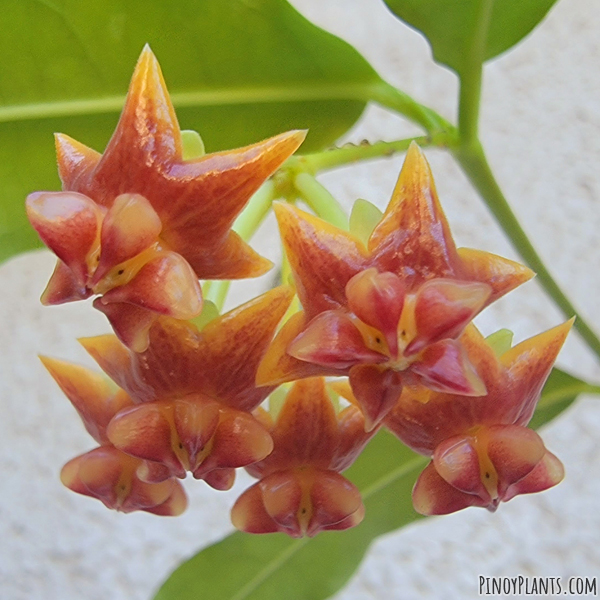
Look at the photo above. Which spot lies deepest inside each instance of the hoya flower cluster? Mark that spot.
(388, 315)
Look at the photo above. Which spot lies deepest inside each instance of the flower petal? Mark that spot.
(147, 137)
(444, 367)
(332, 340)
(64, 286)
(130, 226)
(130, 323)
(68, 223)
(501, 274)
(352, 437)
(457, 461)
(306, 429)
(174, 505)
(232, 259)
(115, 360)
(277, 366)
(166, 285)
(235, 344)
(413, 239)
(443, 307)
(432, 495)
(93, 396)
(249, 514)
(239, 440)
(546, 474)
(75, 161)
(224, 181)
(334, 500)
(529, 364)
(514, 451)
(282, 497)
(196, 200)
(377, 389)
(323, 258)
(109, 475)
(174, 433)
(377, 299)
(220, 479)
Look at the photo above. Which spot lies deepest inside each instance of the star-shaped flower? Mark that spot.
(300, 489)
(482, 451)
(387, 314)
(194, 392)
(106, 473)
(139, 225)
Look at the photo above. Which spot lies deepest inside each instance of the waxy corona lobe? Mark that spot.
(138, 225)
(387, 314)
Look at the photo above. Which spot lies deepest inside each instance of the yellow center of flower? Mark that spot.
(405, 332)
(488, 473)
(126, 271)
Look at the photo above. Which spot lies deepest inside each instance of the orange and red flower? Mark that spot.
(106, 473)
(138, 225)
(300, 490)
(482, 451)
(193, 392)
(388, 314)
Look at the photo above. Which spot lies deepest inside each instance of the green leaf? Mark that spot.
(239, 71)
(272, 567)
(247, 567)
(454, 27)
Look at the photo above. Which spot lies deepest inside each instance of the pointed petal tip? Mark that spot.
(147, 83)
(146, 57)
(283, 209)
(284, 144)
(295, 136)
(414, 150)
(548, 342)
(260, 266)
(105, 348)
(415, 162)
(50, 363)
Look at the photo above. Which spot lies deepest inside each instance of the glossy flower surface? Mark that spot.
(194, 392)
(300, 489)
(482, 451)
(106, 473)
(387, 314)
(139, 225)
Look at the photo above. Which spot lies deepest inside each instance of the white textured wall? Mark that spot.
(541, 126)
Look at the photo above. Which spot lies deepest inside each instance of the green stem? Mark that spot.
(256, 211)
(245, 226)
(471, 76)
(216, 292)
(339, 157)
(474, 163)
(320, 200)
(387, 95)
